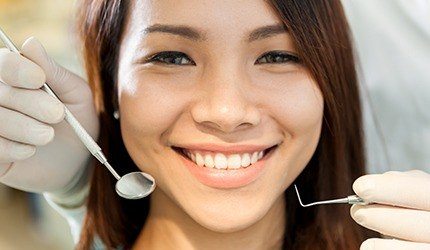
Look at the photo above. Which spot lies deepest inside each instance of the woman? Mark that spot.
(259, 94)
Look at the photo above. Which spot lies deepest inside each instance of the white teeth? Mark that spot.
(220, 161)
(254, 157)
(209, 162)
(246, 160)
(199, 160)
(234, 161)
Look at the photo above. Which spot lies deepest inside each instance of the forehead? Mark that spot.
(217, 17)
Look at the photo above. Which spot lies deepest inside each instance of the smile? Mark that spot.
(225, 170)
(220, 160)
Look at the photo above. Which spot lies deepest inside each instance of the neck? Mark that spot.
(169, 227)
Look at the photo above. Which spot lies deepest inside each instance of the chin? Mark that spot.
(229, 217)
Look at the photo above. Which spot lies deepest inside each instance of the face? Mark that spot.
(222, 84)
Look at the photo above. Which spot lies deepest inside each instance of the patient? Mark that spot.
(203, 89)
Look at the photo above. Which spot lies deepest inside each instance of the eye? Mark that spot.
(278, 57)
(171, 57)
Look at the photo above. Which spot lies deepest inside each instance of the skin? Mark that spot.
(225, 98)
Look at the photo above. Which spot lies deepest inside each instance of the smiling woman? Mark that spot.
(226, 108)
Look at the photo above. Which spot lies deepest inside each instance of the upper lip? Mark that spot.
(238, 148)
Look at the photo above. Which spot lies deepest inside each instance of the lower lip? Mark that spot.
(227, 179)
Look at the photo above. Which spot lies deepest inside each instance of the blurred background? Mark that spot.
(27, 221)
(392, 38)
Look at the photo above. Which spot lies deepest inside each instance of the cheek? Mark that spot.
(147, 106)
(298, 106)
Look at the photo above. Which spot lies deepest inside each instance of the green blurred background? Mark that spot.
(26, 220)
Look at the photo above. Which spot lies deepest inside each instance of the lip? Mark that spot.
(226, 179)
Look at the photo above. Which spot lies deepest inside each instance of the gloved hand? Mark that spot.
(401, 209)
(39, 152)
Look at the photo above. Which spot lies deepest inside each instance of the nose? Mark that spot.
(225, 104)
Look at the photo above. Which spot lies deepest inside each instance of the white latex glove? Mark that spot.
(39, 152)
(401, 211)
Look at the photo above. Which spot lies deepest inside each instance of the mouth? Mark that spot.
(221, 175)
(211, 159)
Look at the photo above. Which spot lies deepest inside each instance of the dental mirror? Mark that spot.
(134, 185)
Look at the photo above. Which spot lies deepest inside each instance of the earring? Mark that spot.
(116, 114)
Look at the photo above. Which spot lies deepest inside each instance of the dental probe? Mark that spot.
(351, 199)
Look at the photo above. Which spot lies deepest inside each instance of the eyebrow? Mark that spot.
(267, 31)
(199, 36)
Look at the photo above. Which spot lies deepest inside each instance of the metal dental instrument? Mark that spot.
(134, 185)
(352, 199)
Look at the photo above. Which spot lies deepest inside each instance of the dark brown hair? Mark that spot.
(322, 38)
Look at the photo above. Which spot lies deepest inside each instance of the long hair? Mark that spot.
(322, 37)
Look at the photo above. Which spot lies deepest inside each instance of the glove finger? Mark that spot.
(4, 168)
(418, 173)
(392, 244)
(413, 172)
(21, 128)
(407, 189)
(18, 71)
(11, 151)
(35, 103)
(403, 223)
(70, 88)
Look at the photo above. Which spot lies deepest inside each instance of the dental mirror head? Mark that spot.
(135, 185)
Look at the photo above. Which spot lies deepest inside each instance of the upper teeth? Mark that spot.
(222, 161)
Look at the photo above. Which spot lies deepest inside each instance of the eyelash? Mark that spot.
(175, 55)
